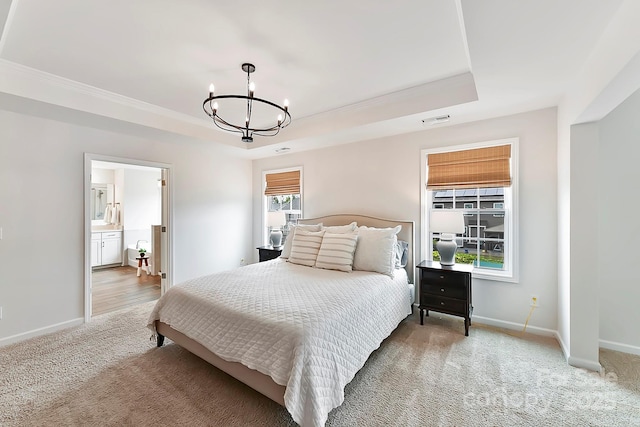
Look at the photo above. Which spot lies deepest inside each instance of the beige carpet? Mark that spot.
(109, 373)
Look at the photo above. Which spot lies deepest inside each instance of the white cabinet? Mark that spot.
(96, 249)
(106, 248)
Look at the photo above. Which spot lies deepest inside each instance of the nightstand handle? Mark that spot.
(441, 289)
(442, 277)
(441, 303)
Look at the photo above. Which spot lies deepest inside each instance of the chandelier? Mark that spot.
(272, 128)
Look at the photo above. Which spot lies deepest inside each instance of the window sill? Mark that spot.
(494, 276)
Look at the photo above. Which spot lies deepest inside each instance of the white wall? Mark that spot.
(102, 176)
(42, 209)
(141, 205)
(610, 75)
(382, 178)
(618, 176)
(583, 253)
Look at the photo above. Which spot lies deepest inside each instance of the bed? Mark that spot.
(295, 333)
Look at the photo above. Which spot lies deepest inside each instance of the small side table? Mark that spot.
(269, 252)
(447, 289)
(146, 265)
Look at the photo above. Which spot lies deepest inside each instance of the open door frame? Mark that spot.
(166, 261)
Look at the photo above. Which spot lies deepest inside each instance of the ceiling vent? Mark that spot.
(436, 120)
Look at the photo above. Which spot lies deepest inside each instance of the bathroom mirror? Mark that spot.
(101, 195)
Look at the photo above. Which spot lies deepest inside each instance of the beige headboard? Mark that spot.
(406, 233)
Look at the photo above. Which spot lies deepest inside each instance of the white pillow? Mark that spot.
(286, 249)
(305, 247)
(376, 249)
(335, 229)
(336, 251)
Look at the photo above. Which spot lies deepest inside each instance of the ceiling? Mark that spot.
(352, 69)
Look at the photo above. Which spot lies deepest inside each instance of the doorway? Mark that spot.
(127, 248)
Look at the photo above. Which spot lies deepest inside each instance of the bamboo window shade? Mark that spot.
(477, 168)
(283, 183)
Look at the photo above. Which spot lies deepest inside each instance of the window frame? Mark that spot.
(265, 199)
(511, 271)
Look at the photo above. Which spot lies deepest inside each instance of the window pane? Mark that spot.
(482, 243)
(492, 240)
(290, 204)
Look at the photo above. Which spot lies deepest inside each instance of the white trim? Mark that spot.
(74, 86)
(88, 159)
(41, 331)
(511, 275)
(265, 234)
(584, 364)
(563, 346)
(617, 346)
(7, 24)
(513, 326)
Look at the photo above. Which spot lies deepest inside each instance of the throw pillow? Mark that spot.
(336, 251)
(376, 249)
(305, 247)
(286, 249)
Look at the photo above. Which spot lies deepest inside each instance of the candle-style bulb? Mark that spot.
(279, 119)
(215, 107)
(286, 105)
(211, 88)
(246, 121)
(252, 88)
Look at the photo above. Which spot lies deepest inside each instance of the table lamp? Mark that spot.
(275, 220)
(448, 223)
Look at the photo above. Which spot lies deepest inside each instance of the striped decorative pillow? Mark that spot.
(336, 251)
(305, 246)
(286, 249)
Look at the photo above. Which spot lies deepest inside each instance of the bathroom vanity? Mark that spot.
(106, 248)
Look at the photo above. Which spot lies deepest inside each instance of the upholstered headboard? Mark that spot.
(406, 233)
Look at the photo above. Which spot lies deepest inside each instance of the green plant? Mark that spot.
(470, 258)
(142, 250)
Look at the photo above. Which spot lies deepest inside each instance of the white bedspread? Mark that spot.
(308, 329)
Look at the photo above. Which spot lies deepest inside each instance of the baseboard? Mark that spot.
(565, 350)
(584, 364)
(514, 326)
(624, 348)
(41, 331)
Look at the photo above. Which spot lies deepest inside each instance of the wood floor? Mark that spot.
(119, 287)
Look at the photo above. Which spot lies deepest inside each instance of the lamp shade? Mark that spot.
(446, 221)
(276, 219)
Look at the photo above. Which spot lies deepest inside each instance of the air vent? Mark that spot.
(436, 120)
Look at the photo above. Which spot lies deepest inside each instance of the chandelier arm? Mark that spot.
(228, 127)
(285, 121)
(247, 131)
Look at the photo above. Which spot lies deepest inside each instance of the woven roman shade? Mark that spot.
(283, 183)
(477, 168)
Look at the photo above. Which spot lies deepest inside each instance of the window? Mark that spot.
(479, 180)
(283, 192)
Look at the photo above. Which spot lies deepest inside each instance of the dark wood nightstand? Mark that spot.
(268, 252)
(446, 289)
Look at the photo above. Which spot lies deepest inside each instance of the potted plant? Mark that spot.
(142, 252)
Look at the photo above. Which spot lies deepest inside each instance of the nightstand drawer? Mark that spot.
(266, 253)
(444, 304)
(448, 278)
(448, 290)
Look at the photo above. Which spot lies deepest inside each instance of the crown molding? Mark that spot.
(65, 84)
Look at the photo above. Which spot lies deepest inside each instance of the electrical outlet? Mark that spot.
(535, 301)
(241, 261)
